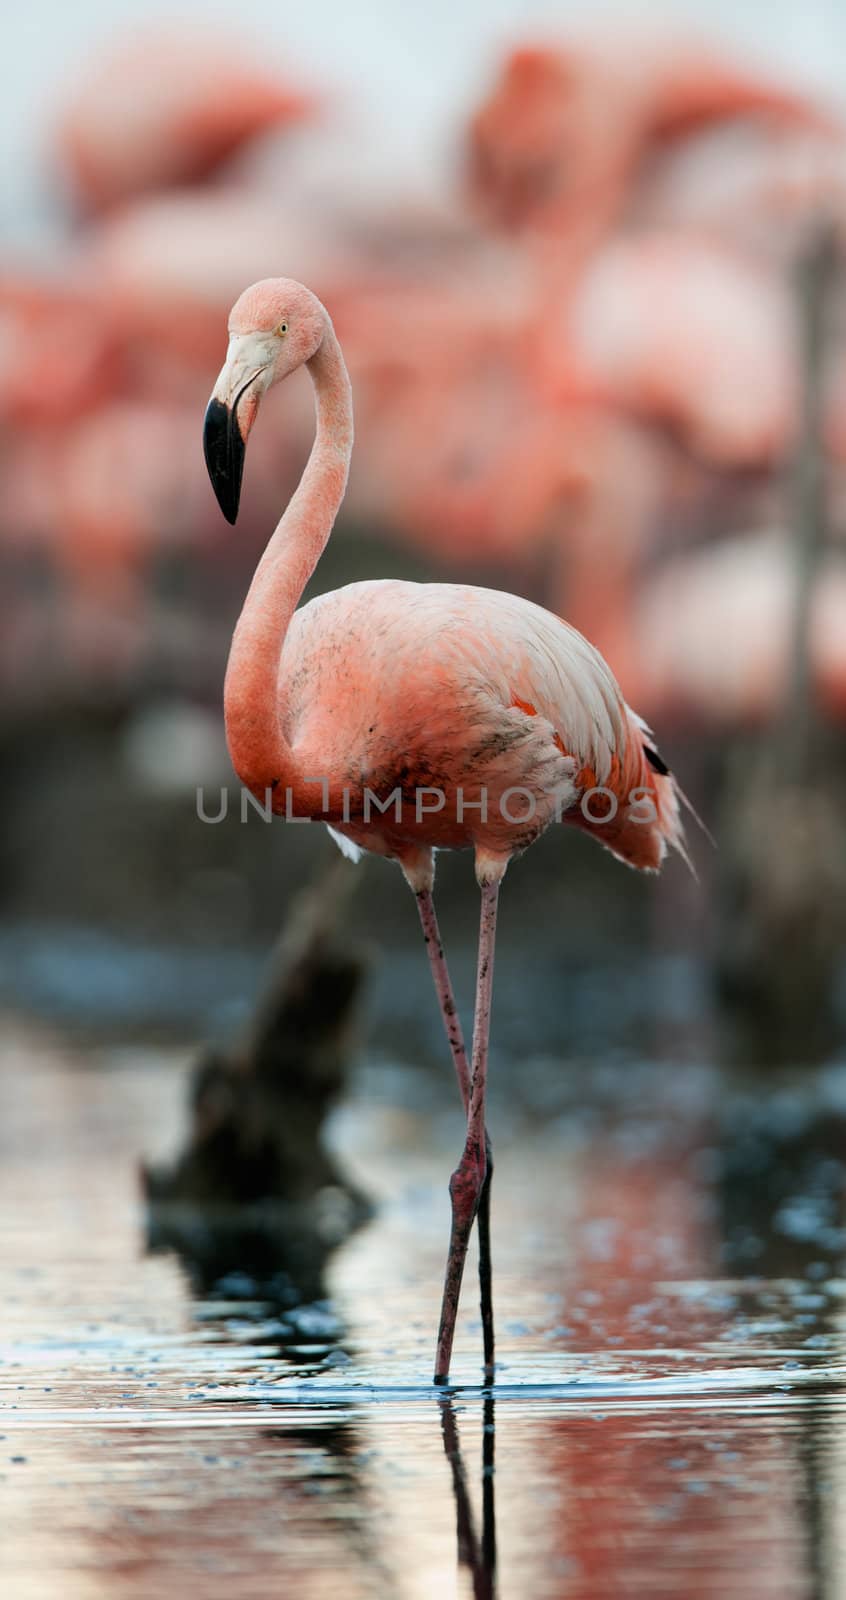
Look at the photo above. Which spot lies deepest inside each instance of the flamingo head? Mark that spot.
(276, 326)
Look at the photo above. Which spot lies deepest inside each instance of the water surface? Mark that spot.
(668, 1413)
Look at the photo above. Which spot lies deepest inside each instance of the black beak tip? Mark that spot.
(229, 510)
(223, 448)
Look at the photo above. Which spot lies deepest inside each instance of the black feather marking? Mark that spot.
(655, 761)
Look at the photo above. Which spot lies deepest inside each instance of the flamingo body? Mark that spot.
(465, 692)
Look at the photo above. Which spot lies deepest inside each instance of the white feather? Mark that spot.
(353, 852)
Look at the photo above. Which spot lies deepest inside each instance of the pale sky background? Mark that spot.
(413, 68)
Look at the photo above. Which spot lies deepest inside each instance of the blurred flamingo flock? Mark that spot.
(577, 370)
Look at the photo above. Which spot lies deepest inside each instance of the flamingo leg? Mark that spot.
(485, 1264)
(444, 991)
(468, 1180)
(455, 1038)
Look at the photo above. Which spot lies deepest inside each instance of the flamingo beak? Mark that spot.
(224, 450)
(230, 415)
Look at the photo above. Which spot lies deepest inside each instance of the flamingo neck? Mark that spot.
(253, 710)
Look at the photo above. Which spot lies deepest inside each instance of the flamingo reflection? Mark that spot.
(476, 1553)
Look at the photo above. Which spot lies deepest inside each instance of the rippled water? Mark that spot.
(668, 1415)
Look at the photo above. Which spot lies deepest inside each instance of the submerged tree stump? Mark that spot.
(254, 1189)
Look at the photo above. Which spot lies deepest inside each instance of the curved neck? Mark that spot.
(261, 754)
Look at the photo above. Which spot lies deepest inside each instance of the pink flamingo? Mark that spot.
(753, 187)
(168, 106)
(710, 639)
(567, 129)
(86, 361)
(446, 710)
(676, 329)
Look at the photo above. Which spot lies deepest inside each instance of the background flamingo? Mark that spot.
(614, 381)
(711, 637)
(167, 106)
(717, 364)
(559, 141)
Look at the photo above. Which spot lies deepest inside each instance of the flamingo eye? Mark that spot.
(282, 329)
